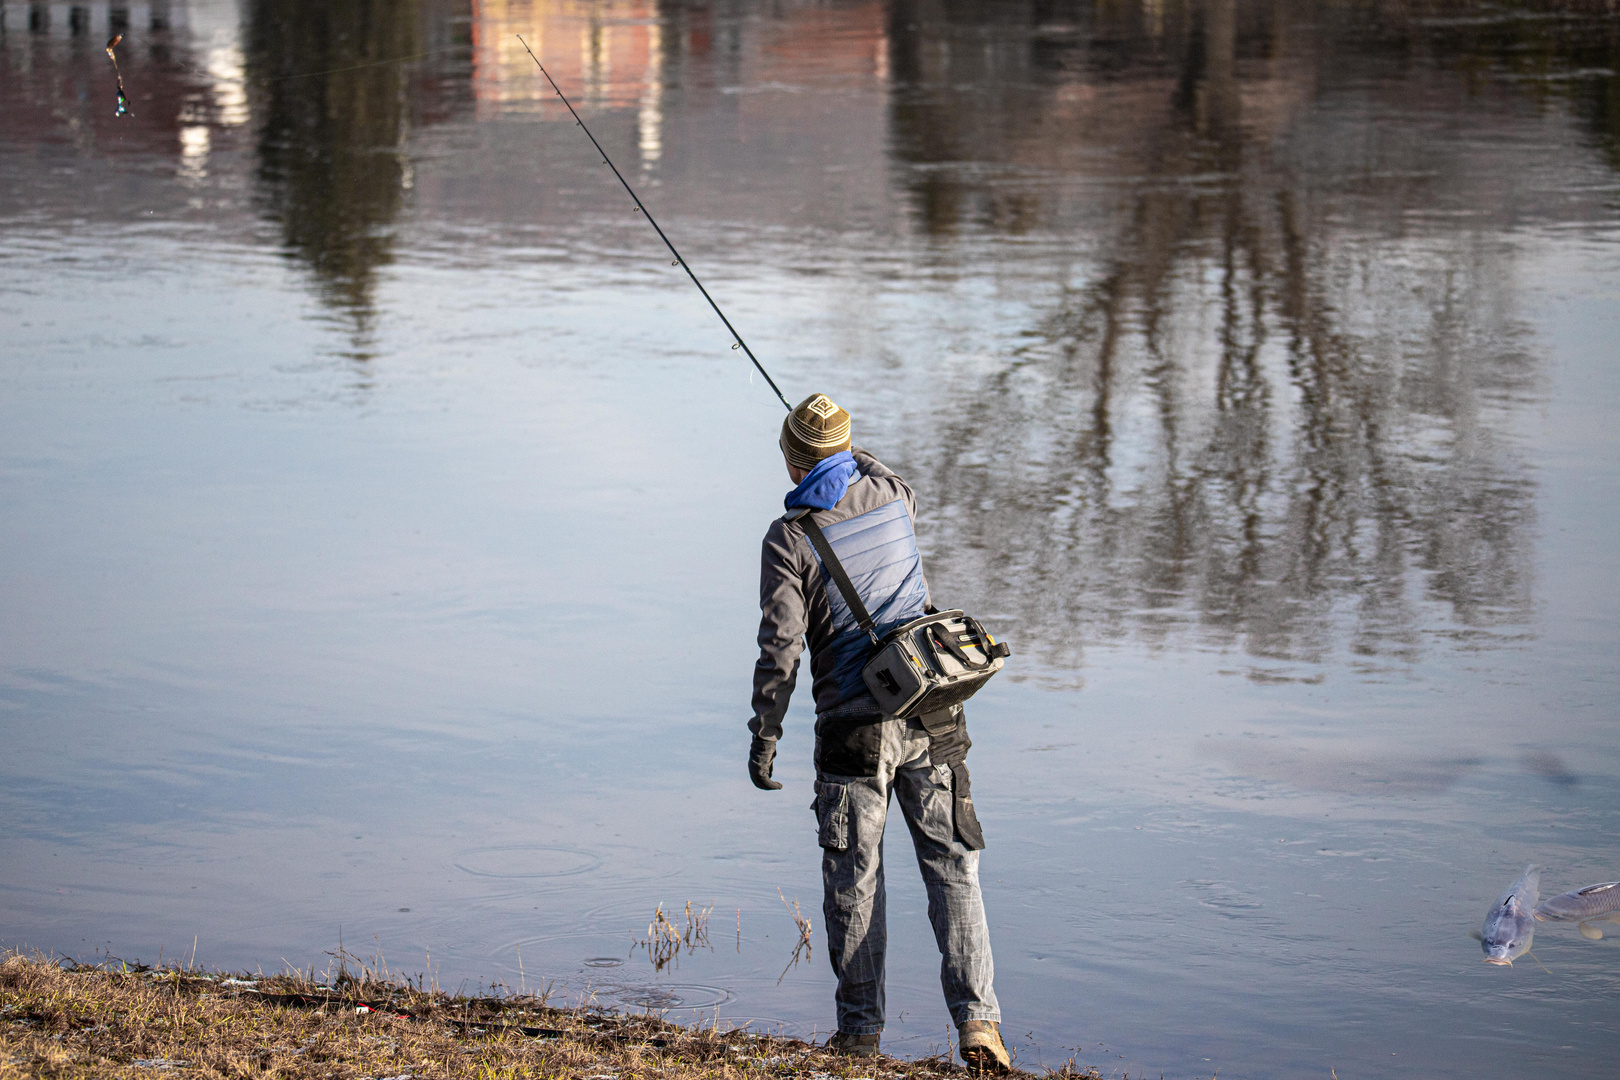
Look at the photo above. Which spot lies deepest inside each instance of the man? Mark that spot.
(866, 513)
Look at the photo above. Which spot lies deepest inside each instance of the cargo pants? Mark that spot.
(860, 762)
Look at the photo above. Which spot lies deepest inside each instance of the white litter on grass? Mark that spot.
(239, 982)
(158, 1063)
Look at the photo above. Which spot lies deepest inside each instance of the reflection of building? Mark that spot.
(96, 20)
(748, 61)
(602, 54)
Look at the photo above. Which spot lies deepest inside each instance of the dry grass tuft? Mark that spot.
(664, 941)
(63, 1021)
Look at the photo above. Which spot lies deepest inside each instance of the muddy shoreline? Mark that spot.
(59, 1018)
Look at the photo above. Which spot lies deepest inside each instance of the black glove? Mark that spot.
(761, 755)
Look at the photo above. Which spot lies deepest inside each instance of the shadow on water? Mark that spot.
(1274, 396)
(333, 167)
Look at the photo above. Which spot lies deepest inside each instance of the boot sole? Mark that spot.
(981, 1059)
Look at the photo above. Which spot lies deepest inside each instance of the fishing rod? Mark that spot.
(739, 343)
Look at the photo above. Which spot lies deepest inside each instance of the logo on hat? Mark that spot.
(818, 428)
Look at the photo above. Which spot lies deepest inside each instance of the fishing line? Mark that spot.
(739, 342)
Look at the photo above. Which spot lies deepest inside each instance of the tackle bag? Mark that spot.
(922, 666)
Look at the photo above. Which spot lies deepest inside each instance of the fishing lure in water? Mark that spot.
(1511, 924)
(123, 99)
(1593, 904)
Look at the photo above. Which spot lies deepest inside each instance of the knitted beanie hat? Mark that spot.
(815, 430)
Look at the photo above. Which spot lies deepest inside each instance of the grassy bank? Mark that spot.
(62, 1020)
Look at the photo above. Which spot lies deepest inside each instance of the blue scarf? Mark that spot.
(825, 484)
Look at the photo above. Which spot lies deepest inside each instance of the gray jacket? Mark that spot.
(794, 603)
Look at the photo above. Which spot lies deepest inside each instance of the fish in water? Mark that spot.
(1593, 904)
(1511, 923)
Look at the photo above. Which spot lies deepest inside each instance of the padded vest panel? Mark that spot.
(878, 550)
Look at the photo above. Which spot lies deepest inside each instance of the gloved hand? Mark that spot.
(761, 756)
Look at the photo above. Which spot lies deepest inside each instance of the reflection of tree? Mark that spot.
(331, 144)
(1566, 49)
(1245, 416)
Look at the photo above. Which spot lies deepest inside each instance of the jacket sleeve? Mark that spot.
(869, 465)
(783, 620)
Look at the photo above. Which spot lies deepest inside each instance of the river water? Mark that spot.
(381, 509)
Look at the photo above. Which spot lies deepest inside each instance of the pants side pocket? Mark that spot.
(832, 815)
(942, 722)
(965, 817)
(950, 747)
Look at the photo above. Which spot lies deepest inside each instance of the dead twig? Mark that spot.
(802, 948)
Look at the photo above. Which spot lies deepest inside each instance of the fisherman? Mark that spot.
(866, 513)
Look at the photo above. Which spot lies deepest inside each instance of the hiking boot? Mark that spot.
(861, 1046)
(981, 1047)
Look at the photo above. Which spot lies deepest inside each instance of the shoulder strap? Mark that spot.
(829, 559)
